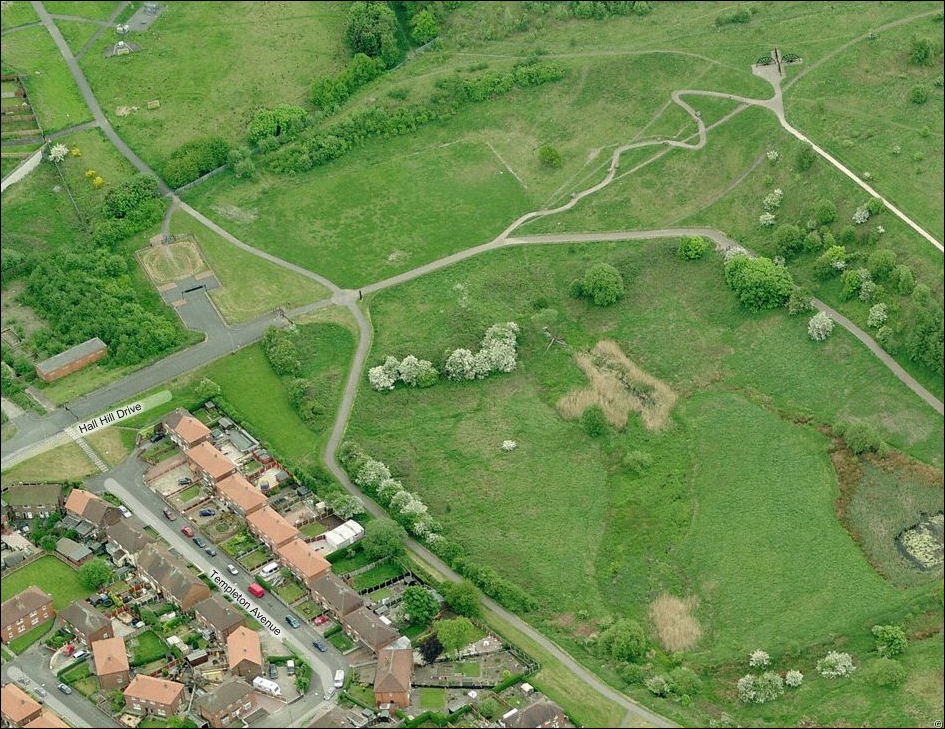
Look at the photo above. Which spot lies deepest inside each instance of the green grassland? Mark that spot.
(52, 92)
(245, 51)
(56, 579)
(17, 12)
(857, 106)
(92, 9)
(37, 213)
(250, 286)
(78, 34)
(63, 463)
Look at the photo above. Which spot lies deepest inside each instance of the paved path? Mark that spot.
(98, 34)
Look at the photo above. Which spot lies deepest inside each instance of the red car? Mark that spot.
(321, 620)
(256, 590)
(70, 649)
(187, 531)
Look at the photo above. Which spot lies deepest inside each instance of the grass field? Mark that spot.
(52, 92)
(112, 444)
(250, 286)
(377, 575)
(77, 34)
(66, 462)
(172, 262)
(244, 48)
(290, 591)
(56, 579)
(17, 12)
(857, 107)
(149, 648)
(432, 699)
(92, 9)
(20, 644)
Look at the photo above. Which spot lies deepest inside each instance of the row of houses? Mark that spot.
(19, 709)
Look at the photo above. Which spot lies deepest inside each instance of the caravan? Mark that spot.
(269, 569)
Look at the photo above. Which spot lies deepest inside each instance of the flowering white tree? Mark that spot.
(820, 326)
(867, 290)
(496, 354)
(345, 505)
(760, 689)
(372, 473)
(733, 251)
(835, 665)
(387, 488)
(772, 155)
(58, 152)
(766, 220)
(880, 230)
(509, 445)
(460, 365)
(380, 379)
(793, 678)
(759, 659)
(861, 215)
(877, 316)
(413, 371)
(413, 506)
(772, 201)
(746, 689)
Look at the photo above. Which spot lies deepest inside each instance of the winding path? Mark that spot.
(349, 299)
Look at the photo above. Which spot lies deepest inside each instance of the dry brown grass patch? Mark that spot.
(173, 262)
(620, 387)
(672, 617)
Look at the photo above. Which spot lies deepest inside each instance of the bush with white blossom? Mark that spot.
(835, 665)
(58, 152)
(877, 316)
(820, 326)
(861, 215)
(772, 155)
(867, 290)
(733, 251)
(371, 474)
(793, 679)
(772, 201)
(410, 370)
(497, 353)
(766, 220)
(760, 689)
(509, 445)
(759, 659)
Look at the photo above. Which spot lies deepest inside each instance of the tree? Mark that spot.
(805, 157)
(920, 52)
(788, 240)
(383, 538)
(623, 641)
(759, 283)
(489, 708)
(423, 27)
(825, 212)
(455, 634)
(603, 284)
(861, 437)
(420, 605)
(881, 263)
(594, 421)
(95, 573)
(462, 597)
(431, 648)
(207, 389)
(692, 247)
(925, 342)
(48, 542)
(344, 504)
(549, 156)
(885, 672)
(372, 30)
(890, 640)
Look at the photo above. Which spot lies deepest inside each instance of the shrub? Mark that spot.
(919, 94)
(760, 689)
(766, 220)
(805, 157)
(860, 438)
(658, 686)
(195, 158)
(813, 242)
(759, 283)
(885, 672)
(576, 289)
(603, 284)
(825, 212)
(490, 708)
(920, 52)
(283, 121)
(371, 30)
(772, 201)
(623, 641)
(800, 302)
(330, 92)
(684, 681)
(847, 235)
(820, 326)
(877, 316)
(423, 27)
(549, 156)
(383, 538)
(881, 263)
(852, 281)
(890, 640)
(875, 205)
(759, 659)
(594, 421)
(788, 240)
(831, 262)
(868, 290)
(733, 16)
(692, 247)
(793, 678)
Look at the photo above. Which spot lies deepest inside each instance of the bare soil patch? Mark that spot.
(233, 212)
(675, 625)
(620, 387)
(173, 262)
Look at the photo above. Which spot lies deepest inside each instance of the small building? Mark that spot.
(334, 595)
(343, 535)
(76, 554)
(73, 359)
(303, 561)
(170, 577)
(85, 622)
(184, 429)
(85, 505)
(197, 657)
(218, 616)
(209, 463)
(240, 495)
(364, 626)
(244, 653)
(110, 661)
(17, 707)
(392, 678)
(154, 696)
(231, 700)
(541, 715)
(241, 439)
(46, 720)
(33, 501)
(23, 612)
(271, 528)
(130, 537)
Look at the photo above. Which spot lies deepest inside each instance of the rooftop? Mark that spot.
(84, 617)
(17, 704)
(394, 669)
(159, 690)
(237, 490)
(72, 550)
(46, 720)
(331, 588)
(224, 695)
(110, 656)
(243, 645)
(304, 559)
(186, 426)
(19, 606)
(211, 460)
(373, 631)
(41, 493)
(89, 346)
(130, 536)
(270, 524)
(219, 613)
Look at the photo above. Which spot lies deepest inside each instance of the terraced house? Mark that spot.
(184, 429)
(303, 561)
(244, 653)
(271, 528)
(170, 577)
(33, 501)
(17, 707)
(240, 495)
(334, 595)
(23, 612)
(217, 615)
(209, 463)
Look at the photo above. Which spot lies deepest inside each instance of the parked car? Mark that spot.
(339, 681)
(184, 481)
(69, 650)
(169, 515)
(322, 619)
(125, 511)
(211, 551)
(155, 437)
(293, 621)
(23, 680)
(232, 569)
(65, 688)
(273, 670)
(290, 667)
(319, 646)
(25, 528)
(186, 531)
(200, 542)
(207, 512)
(256, 590)
(40, 691)
(79, 655)
(137, 624)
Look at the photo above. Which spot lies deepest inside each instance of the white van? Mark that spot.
(269, 569)
(339, 679)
